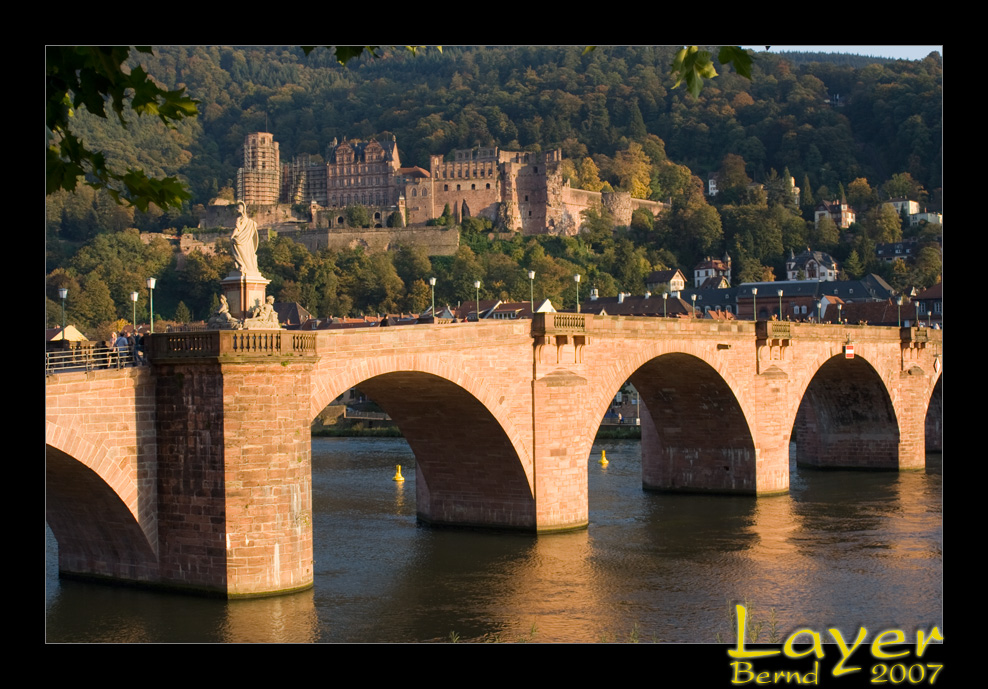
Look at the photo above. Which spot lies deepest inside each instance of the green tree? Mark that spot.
(826, 235)
(732, 180)
(357, 216)
(182, 313)
(929, 266)
(883, 223)
(860, 194)
(902, 185)
(588, 175)
(92, 78)
(853, 267)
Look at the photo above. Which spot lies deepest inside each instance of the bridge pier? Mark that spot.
(234, 470)
(561, 449)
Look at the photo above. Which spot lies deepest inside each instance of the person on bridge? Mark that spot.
(121, 344)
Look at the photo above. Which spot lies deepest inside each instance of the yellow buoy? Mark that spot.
(398, 476)
(603, 458)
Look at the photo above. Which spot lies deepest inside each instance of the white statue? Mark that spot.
(245, 241)
(223, 319)
(263, 317)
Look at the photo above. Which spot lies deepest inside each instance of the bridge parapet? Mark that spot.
(552, 323)
(231, 344)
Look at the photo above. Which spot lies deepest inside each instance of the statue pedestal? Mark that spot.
(244, 293)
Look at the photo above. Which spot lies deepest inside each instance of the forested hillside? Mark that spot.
(862, 132)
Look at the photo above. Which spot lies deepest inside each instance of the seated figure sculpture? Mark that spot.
(263, 316)
(223, 319)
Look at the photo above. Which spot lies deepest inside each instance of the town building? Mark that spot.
(811, 265)
(929, 305)
(838, 211)
(665, 281)
(711, 272)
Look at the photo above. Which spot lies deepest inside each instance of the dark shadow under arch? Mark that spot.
(694, 434)
(468, 472)
(934, 419)
(846, 419)
(97, 535)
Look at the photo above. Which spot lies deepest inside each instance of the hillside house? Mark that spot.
(712, 269)
(838, 211)
(811, 265)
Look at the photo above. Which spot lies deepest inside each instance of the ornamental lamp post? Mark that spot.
(133, 298)
(665, 300)
(576, 279)
(531, 289)
(476, 283)
(432, 282)
(693, 297)
(754, 303)
(63, 292)
(899, 301)
(780, 304)
(151, 282)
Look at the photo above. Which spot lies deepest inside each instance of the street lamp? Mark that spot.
(531, 290)
(754, 303)
(63, 292)
(899, 300)
(576, 279)
(665, 300)
(693, 297)
(476, 283)
(819, 311)
(839, 307)
(133, 298)
(780, 304)
(151, 282)
(432, 282)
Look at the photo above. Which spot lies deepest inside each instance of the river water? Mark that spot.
(843, 549)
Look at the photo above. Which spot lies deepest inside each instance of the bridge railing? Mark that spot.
(773, 330)
(90, 356)
(235, 343)
(543, 323)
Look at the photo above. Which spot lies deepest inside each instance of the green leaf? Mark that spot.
(692, 65)
(737, 56)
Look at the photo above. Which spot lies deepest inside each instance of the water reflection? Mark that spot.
(841, 549)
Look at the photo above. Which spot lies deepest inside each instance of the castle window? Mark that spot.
(488, 185)
(445, 187)
(473, 187)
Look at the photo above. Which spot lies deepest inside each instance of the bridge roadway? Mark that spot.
(194, 473)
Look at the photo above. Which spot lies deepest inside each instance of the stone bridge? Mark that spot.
(194, 473)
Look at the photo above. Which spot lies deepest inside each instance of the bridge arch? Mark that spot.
(472, 465)
(846, 417)
(90, 506)
(695, 431)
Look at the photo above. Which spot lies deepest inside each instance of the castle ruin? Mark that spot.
(518, 191)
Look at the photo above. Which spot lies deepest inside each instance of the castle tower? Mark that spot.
(259, 180)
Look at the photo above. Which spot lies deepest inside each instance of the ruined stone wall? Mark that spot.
(225, 216)
(438, 241)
